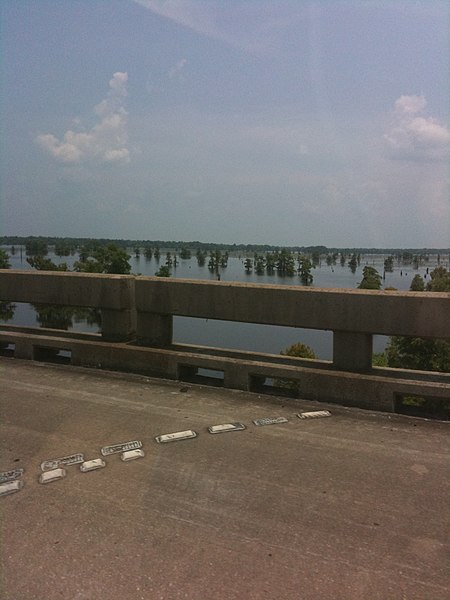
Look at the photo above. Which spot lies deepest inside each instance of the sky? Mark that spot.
(292, 122)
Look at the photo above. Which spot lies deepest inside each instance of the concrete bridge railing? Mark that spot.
(137, 330)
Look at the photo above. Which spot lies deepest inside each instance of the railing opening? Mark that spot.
(61, 356)
(201, 375)
(274, 387)
(423, 406)
(7, 349)
(250, 337)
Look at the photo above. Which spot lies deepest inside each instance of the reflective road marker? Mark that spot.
(314, 414)
(226, 427)
(270, 421)
(11, 475)
(73, 459)
(132, 455)
(123, 447)
(174, 437)
(92, 465)
(10, 487)
(53, 475)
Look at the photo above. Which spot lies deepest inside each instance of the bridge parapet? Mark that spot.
(137, 331)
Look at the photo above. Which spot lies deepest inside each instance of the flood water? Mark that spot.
(247, 336)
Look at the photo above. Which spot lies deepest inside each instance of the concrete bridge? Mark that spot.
(137, 319)
(348, 507)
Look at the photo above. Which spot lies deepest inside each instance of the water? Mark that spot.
(247, 336)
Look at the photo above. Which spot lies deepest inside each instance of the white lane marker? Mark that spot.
(123, 447)
(314, 414)
(53, 475)
(10, 487)
(174, 437)
(225, 427)
(270, 421)
(92, 465)
(73, 459)
(132, 455)
(11, 475)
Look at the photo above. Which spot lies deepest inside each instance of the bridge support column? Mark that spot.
(352, 351)
(118, 325)
(154, 329)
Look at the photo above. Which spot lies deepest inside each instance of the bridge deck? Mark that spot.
(347, 507)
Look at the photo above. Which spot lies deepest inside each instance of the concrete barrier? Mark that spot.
(354, 316)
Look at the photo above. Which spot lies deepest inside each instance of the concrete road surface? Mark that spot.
(352, 506)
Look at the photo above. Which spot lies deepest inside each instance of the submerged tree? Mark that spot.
(371, 279)
(111, 259)
(304, 270)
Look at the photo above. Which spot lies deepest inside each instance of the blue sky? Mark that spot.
(287, 122)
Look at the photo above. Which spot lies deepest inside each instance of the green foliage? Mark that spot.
(389, 264)
(353, 263)
(7, 310)
(4, 259)
(148, 253)
(417, 284)
(418, 353)
(304, 270)
(36, 247)
(371, 279)
(260, 264)
(185, 253)
(163, 271)
(201, 257)
(285, 263)
(299, 350)
(63, 249)
(379, 359)
(248, 265)
(45, 264)
(111, 259)
(440, 280)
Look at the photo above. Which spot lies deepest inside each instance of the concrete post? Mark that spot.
(154, 329)
(352, 351)
(118, 325)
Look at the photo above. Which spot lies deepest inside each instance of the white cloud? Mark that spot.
(254, 27)
(413, 136)
(107, 141)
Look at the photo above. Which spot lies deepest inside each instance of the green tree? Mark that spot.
(304, 270)
(260, 264)
(111, 259)
(248, 265)
(148, 253)
(440, 280)
(418, 353)
(45, 264)
(4, 259)
(163, 271)
(389, 264)
(285, 263)
(353, 263)
(417, 284)
(36, 247)
(297, 350)
(371, 279)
